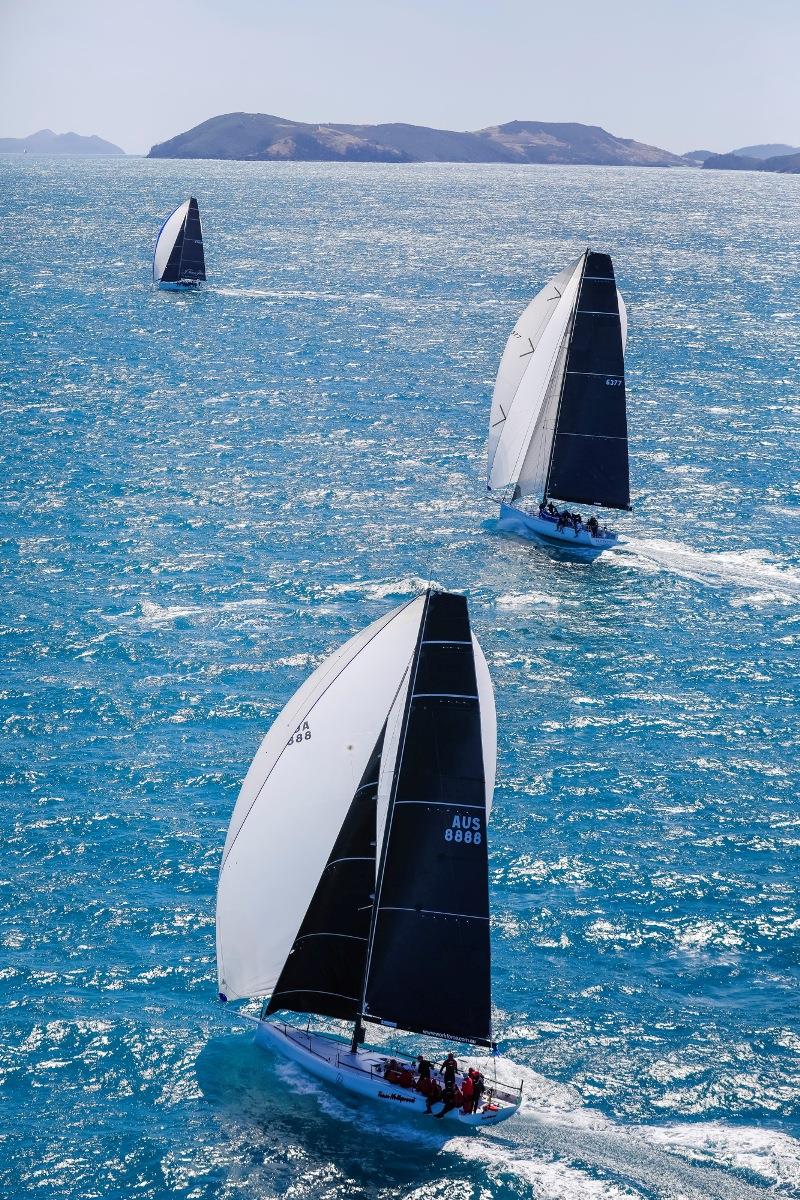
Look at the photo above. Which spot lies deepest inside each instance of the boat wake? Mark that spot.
(754, 572)
(565, 1151)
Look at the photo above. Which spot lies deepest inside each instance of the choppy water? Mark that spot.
(203, 494)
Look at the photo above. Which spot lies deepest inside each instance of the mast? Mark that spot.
(588, 461)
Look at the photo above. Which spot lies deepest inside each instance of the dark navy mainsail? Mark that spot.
(428, 964)
(589, 456)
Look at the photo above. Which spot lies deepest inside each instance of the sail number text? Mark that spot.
(614, 383)
(301, 734)
(464, 829)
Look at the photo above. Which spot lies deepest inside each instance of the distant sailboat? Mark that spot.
(354, 881)
(178, 259)
(558, 427)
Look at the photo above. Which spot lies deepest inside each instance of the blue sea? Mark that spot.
(204, 494)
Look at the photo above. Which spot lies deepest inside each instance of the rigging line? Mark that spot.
(308, 711)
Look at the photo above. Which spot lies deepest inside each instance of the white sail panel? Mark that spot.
(296, 795)
(532, 475)
(521, 422)
(167, 238)
(488, 721)
(519, 351)
(623, 319)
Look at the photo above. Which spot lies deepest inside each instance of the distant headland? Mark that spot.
(47, 142)
(260, 137)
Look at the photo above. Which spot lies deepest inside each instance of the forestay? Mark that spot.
(296, 796)
(431, 913)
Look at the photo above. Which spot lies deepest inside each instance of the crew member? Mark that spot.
(478, 1088)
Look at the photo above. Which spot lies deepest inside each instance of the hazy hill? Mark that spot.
(696, 158)
(47, 142)
(264, 137)
(787, 164)
(769, 150)
(732, 162)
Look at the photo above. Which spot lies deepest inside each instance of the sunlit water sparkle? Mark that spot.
(203, 494)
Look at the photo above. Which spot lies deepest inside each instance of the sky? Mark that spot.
(679, 74)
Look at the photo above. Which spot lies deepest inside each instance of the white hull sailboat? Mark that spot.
(547, 528)
(354, 882)
(178, 259)
(558, 426)
(363, 1071)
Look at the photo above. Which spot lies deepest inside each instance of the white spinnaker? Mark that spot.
(167, 238)
(519, 350)
(488, 721)
(521, 422)
(296, 795)
(391, 742)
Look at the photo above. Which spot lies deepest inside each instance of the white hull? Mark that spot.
(180, 285)
(362, 1073)
(569, 538)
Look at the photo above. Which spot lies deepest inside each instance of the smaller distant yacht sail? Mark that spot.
(558, 429)
(178, 259)
(355, 879)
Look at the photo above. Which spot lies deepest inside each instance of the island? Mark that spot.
(261, 137)
(47, 142)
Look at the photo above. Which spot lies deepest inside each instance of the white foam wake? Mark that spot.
(756, 572)
(563, 1150)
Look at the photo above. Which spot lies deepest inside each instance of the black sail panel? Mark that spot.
(325, 968)
(428, 968)
(192, 263)
(589, 459)
(171, 272)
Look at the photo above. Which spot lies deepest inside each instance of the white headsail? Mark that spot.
(167, 237)
(519, 349)
(296, 795)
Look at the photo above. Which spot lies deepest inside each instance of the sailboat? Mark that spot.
(558, 426)
(354, 879)
(178, 259)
